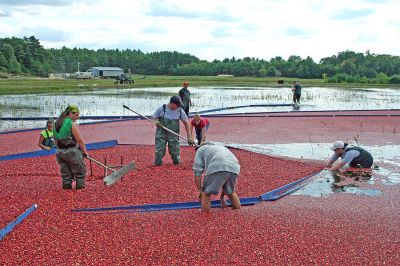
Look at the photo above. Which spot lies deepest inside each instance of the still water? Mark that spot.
(109, 102)
(385, 171)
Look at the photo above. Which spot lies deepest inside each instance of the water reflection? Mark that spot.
(327, 183)
(109, 102)
(385, 171)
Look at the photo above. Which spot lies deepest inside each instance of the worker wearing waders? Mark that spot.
(168, 116)
(296, 93)
(354, 156)
(46, 139)
(221, 169)
(71, 148)
(184, 93)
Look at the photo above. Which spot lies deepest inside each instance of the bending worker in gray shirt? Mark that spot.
(354, 156)
(221, 169)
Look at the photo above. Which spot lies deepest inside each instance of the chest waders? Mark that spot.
(48, 141)
(70, 160)
(163, 137)
(71, 165)
(186, 101)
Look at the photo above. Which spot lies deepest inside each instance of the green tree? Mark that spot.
(3, 62)
(15, 66)
(8, 51)
(382, 78)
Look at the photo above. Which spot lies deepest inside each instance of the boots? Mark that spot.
(158, 159)
(176, 159)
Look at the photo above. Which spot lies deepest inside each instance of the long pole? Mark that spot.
(102, 164)
(154, 122)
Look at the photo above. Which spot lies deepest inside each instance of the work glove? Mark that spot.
(191, 142)
(158, 124)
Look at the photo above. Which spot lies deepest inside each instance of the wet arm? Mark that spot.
(331, 160)
(203, 135)
(79, 139)
(189, 135)
(197, 182)
(338, 166)
(40, 143)
(329, 163)
(198, 169)
(191, 129)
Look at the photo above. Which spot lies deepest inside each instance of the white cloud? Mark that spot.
(210, 29)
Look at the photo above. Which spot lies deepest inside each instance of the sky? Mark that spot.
(210, 29)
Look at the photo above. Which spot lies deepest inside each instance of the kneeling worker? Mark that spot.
(354, 156)
(168, 116)
(221, 169)
(46, 139)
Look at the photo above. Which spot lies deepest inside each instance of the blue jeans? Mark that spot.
(198, 134)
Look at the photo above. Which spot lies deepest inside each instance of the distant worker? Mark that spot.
(46, 139)
(168, 116)
(354, 156)
(296, 92)
(71, 148)
(221, 169)
(201, 126)
(184, 93)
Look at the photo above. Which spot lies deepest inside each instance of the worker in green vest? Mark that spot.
(168, 116)
(71, 148)
(46, 139)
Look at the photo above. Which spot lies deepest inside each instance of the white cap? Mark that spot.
(337, 145)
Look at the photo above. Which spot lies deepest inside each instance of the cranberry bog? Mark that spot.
(300, 228)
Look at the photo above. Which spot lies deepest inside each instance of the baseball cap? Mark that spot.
(176, 100)
(337, 145)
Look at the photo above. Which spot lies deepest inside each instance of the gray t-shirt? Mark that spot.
(170, 114)
(348, 156)
(215, 158)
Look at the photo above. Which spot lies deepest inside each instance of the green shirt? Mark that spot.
(47, 134)
(65, 130)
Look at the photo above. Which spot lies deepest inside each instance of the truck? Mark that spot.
(83, 75)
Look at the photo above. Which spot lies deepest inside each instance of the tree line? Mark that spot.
(27, 56)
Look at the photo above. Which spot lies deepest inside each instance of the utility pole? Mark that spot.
(78, 66)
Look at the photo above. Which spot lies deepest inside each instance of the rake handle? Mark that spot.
(154, 122)
(100, 163)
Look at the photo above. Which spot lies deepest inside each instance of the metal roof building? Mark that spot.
(106, 72)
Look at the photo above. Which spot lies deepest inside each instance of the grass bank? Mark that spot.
(32, 85)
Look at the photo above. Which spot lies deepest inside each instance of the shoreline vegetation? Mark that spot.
(35, 85)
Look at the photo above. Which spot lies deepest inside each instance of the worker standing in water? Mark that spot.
(184, 93)
(296, 93)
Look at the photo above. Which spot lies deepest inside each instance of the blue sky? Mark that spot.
(210, 29)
